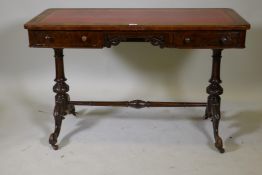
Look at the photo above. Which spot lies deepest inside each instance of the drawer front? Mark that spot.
(65, 39)
(209, 39)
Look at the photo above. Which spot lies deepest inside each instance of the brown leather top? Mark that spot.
(138, 19)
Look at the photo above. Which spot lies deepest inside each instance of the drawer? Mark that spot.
(209, 39)
(65, 39)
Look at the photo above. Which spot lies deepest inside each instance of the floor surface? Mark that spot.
(124, 141)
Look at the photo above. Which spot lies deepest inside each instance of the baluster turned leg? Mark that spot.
(215, 90)
(61, 99)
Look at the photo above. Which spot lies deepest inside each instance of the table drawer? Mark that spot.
(209, 39)
(65, 39)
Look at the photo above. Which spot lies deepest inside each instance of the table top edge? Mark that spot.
(34, 25)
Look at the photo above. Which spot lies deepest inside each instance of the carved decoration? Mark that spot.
(214, 88)
(62, 106)
(213, 106)
(138, 104)
(115, 40)
(60, 86)
(157, 41)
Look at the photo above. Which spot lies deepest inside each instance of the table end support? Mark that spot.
(213, 102)
(62, 106)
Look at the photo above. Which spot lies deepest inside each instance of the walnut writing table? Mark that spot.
(215, 29)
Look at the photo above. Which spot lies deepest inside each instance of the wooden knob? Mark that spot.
(47, 37)
(187, 40)
(84, 38)
(224, 40)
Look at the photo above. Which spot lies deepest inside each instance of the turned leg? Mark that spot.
(62, 106)
(215, 90)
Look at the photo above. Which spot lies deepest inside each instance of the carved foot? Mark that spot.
(58, 116)
(53, 141)
(215, 120)
(219, 144)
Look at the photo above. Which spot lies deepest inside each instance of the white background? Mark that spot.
(126, 72)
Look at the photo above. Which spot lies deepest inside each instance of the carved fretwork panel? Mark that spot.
(156, 39)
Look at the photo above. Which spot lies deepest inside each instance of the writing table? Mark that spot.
(202, 28)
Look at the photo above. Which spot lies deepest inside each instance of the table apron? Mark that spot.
(169, 39)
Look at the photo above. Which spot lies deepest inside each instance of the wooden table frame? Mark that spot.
(215, 29)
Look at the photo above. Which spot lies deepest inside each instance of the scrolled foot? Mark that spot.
(53, 141)
(219, 145)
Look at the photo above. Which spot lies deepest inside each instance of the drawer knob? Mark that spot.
(84, 38)
(187, 40)
(224, 40)
(47, 37)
